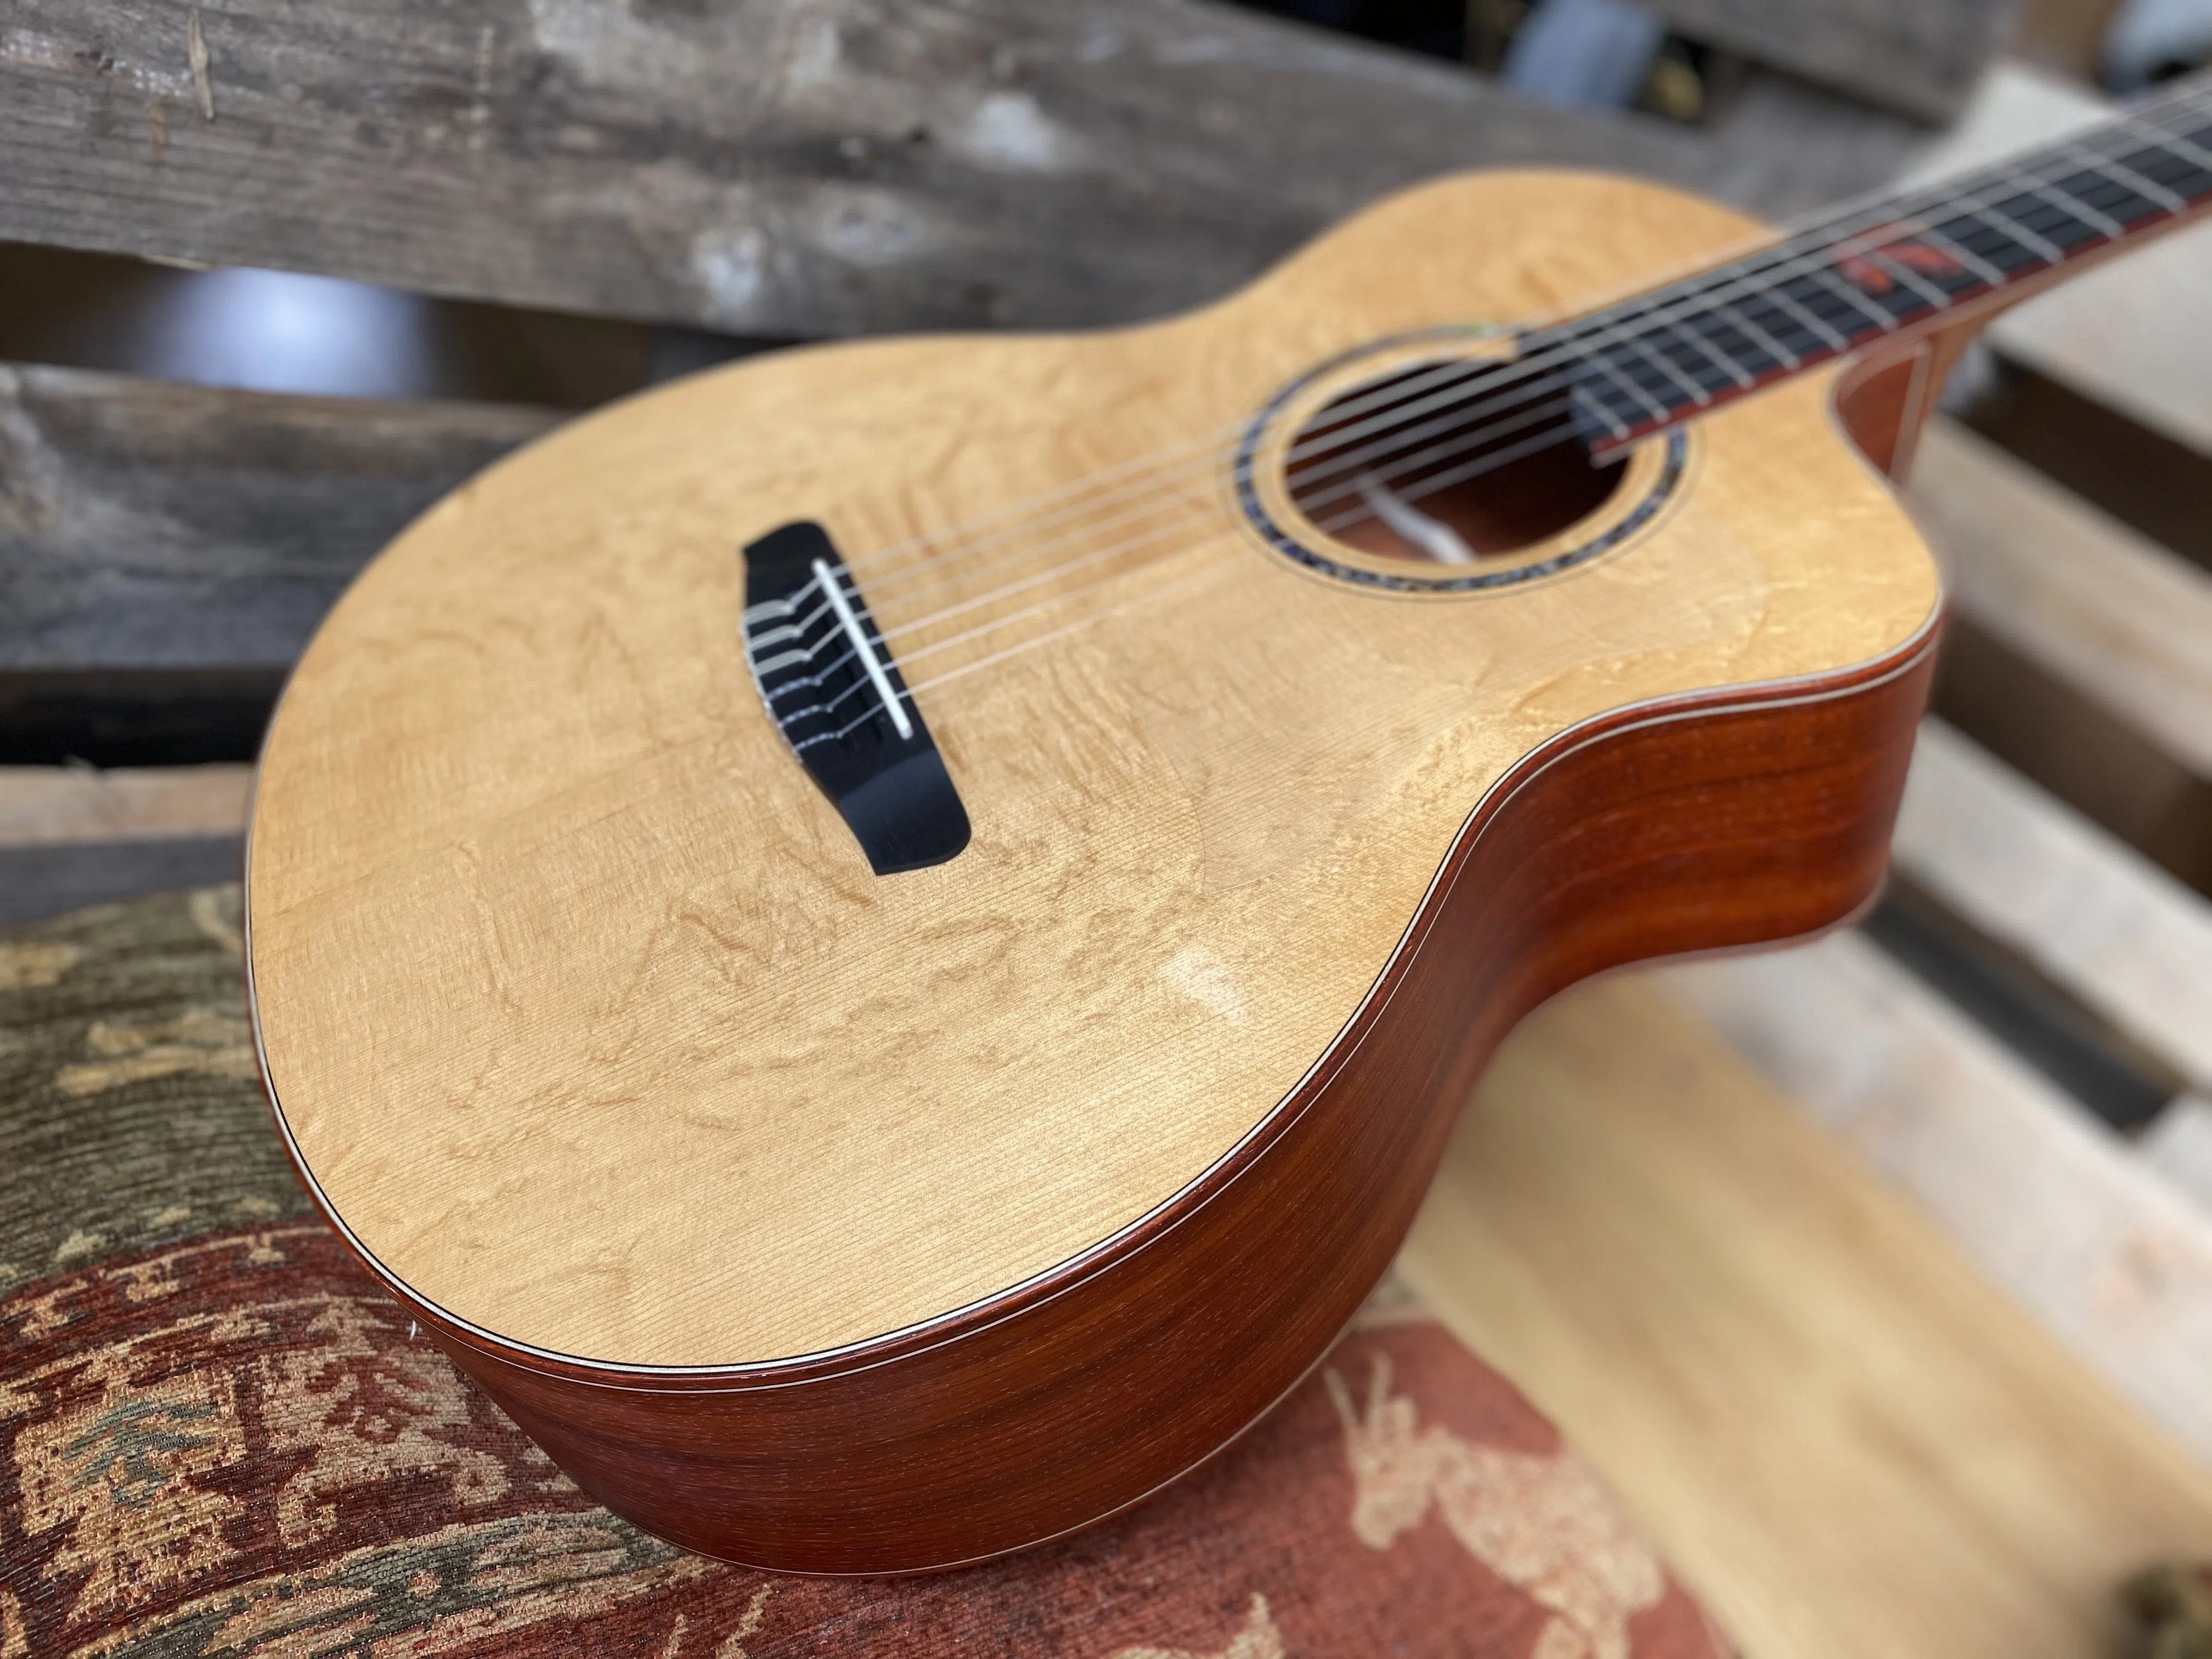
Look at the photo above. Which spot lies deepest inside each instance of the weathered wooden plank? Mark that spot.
(152, 525)
(1922, 56)
(2179, 1147)
(1847, 1440)
(2044, 883)
(775, 167)
(2079, 656)
(2063, 1213)
(51, 805)
(72, 836)
(46, 880)
(166, 550)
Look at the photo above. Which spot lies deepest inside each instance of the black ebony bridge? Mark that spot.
(833, 688)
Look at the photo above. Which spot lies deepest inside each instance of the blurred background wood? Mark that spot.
(1919, 56)
(165, 550)
(1846, 1439)
(2079, 651)
(779, 167)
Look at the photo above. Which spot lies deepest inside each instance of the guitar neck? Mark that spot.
(1902, 265)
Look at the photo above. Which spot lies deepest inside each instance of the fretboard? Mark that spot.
(1879, 269)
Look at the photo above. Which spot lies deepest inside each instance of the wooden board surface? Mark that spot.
(780, 167)
(2080, 654)
(146, 525)
(2179, 1147)
(2042, 882)
(523, 827)
(50, 805)
(1921, 56)
(1847, 1441)
(46, 878)
(2116, 617)
(2056, 1208)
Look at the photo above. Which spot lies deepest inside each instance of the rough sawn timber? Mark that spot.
(780, 167)
(145, 525)
(1920, 56)
(165, 550)
(1848, 1441)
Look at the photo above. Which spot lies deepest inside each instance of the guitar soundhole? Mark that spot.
(1446, 463)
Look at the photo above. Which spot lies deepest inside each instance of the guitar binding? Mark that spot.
(832, 690)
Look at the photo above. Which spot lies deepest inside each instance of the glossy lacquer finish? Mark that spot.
(843, 1222)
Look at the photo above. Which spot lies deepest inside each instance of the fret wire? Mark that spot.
(2080, 212)
(1989, 274)
(1911, 279)
(2123, 205)
(1812, 323)
(2011, 228)
(2000, 174)
(1711, 352)
(1751, 331)
(1632, 389)
(1780, 255)
(2121, 173)
(1620, 429)
(2173, 143)
(1697, 394)
(1829, 279)
(1974, 207)
(1764, 271)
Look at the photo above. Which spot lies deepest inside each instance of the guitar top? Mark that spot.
(774, 886)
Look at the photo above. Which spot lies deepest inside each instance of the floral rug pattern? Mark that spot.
(219, 1436)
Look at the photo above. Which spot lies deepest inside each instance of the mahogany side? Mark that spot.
(1700, 822)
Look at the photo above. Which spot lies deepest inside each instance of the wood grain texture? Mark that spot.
(2060, 1211)
(1712, 822)
(1846, 1439)
(965, 1172)
(54, 804)
(2044, 883)
(146, 525)
(1920, 56)
(784, 166)
(2079, 653)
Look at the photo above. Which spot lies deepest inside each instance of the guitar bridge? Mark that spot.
(832, 688)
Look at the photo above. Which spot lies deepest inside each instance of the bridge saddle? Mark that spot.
(832, 688)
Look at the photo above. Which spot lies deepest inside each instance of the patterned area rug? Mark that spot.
(219, 1436)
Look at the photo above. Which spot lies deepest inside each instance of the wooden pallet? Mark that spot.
(1895, 1344)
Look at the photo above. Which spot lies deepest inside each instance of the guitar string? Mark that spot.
(1703, 296)
(1468, 443)
(1481, 463)
(1219, 534)
(1335, 437)
(943, 566)
(1696, 268)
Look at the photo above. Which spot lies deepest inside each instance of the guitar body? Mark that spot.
(835, 1221)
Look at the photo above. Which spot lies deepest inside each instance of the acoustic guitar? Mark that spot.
(882, 942)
